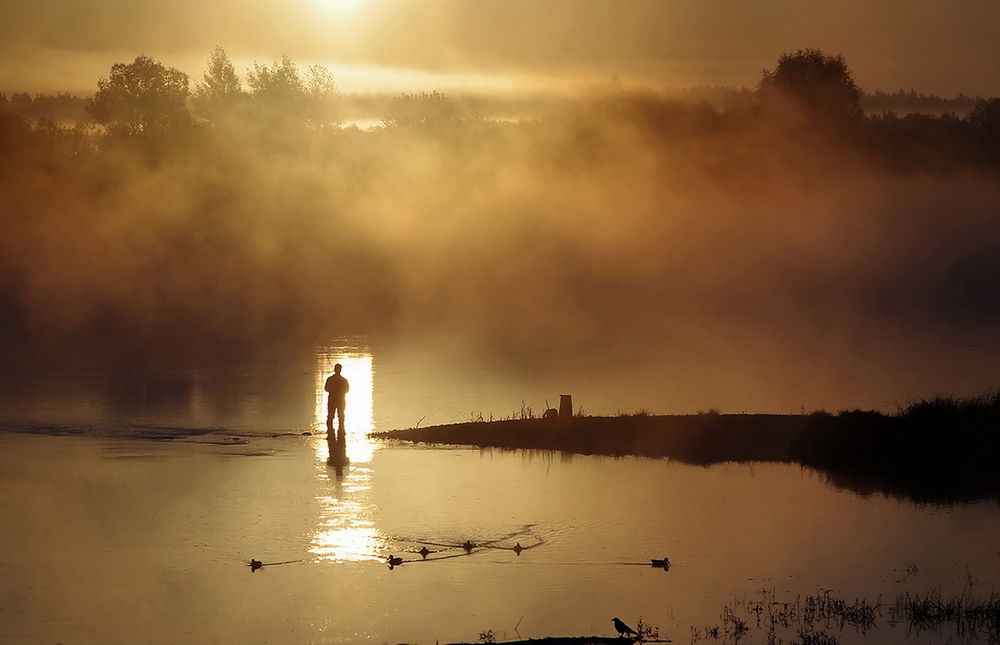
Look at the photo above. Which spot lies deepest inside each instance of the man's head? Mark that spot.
(337, 368)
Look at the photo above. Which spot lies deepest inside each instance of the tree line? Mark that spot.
(146, 99)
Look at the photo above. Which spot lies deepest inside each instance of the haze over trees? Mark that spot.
(284, 97)
(429, 110)
(617, 213)
(219, 92)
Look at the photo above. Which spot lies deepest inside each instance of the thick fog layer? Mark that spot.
(771, 231)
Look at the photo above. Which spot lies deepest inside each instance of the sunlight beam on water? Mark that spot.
(359, 371)
(345, 528)
(345, 532)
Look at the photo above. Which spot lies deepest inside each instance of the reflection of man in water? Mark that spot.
(337, 386)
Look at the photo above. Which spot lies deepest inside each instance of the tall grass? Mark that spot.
(971, 617)
(973, 409)
(821, 619)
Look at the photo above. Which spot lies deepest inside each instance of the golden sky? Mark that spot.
(937, 46)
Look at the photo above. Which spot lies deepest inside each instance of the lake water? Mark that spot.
(131, 504)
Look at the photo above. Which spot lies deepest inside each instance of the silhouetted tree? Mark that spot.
(219, 91)
(820, 85)
(141, 98)
(984, 119)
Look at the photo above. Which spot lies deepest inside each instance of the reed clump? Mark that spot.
(971, 617)
(822, 619)
(815, 619)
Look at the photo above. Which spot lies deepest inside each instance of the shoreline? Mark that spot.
(924, 455)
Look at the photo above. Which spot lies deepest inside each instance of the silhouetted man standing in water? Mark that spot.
(337, 386)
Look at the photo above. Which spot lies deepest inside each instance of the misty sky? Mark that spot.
(936, 46)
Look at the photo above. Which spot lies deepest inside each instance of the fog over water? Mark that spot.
(790, 261)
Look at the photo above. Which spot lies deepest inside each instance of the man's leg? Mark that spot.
(340, 417)
(331, 436)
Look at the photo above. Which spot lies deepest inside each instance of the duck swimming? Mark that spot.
(255, 564)
(661, 564)
(394, 561)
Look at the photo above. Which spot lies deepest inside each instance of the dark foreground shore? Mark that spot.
(569, 640)
(941, 451)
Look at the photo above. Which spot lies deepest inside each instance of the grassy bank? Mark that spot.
(823, 618)
(936, 450)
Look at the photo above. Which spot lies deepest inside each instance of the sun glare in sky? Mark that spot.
(340, 7)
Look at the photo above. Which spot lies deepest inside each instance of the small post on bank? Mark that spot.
(565, 406)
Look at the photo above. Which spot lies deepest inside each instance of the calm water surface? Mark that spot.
(112, 534)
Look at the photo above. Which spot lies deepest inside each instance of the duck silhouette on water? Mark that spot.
(394, 561)
(661, 564)
(255, 564)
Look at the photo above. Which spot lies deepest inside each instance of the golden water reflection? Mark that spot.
(345, 528)
(359, 414)
(345, 532)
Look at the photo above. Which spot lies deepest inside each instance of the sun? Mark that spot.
(340, 7)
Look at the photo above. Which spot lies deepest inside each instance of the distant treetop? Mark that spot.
(219, 90)
(819, 85)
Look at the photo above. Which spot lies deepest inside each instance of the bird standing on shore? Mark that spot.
(623, 629)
